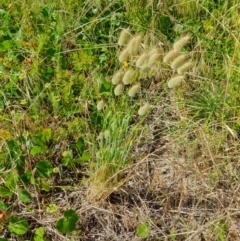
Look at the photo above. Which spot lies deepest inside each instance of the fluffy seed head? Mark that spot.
(134, 89)
(118, 89)
(106, 134)
(145, 69)
(129, 77)
(152, 60)
(178, 62)
(175, 81)
(123, 55)
(154, 51)
(181, 42)
(144, 109)
(184, 68)
(116, 79)
(170, 56)
(142, 59)
(123, 37)
(134, 44)
(100, 105)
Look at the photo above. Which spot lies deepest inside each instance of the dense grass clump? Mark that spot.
(119, 120)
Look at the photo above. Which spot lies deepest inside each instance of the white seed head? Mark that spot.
(154, 51)
(134, 89)
(152, 60)
(175, 81)
(134, 44)
(184, 68)
(144, 109)
(116, 79)
(170, 56)
(178, 62)
(124, 35)
(145, 69)
(181, 42)
(142, 59)
(100, 136)
(106, 134)
(123, 55)
(100, 105)
(118, 89)
(129, 77)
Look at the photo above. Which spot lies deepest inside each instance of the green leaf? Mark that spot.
(17, 225)
(67, 224)
(6, 45)
(52, 208)
(38, 235)
(80, 144)
(3, 206)
(36, 150)
(5, 192)
(4, 239)
(143, 230)
(45, 186)
(26, 177)
(85, 156)
(44, 168)
(24, 196)
(11, 180)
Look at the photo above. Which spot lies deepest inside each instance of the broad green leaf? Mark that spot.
(143, 230)
(5, 192)
(26, 177)
(45, 185)
(3, 206)
(38, 235)
(44, 168)
(85, 156)
(80, 144)
(6, 45)
(17, 225)
(11, 180)
(36, 150)
(4, 239)
(24, 196)
(67, 224)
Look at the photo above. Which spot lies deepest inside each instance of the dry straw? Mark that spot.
(170, 56)
(144, 109)
(184, 68)
(100, 105)
(118, 89)
(123, 55)
(175, 81)
(116, 79)
(123, 38)
(129, 77)
(178, 62)
(142, 59)
(134, 89)
(181, 42)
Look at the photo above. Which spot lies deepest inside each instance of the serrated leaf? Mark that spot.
(38, 235)
(44, 168)
(17, 225)
(5, 192)
(143, 230)
(36, 150)
(67, 224)
(24, 196)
